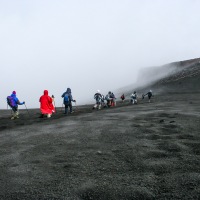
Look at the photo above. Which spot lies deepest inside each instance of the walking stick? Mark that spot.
(54, 103)
(75, 106)
(8, 107)
(27, 110)
(62, 107)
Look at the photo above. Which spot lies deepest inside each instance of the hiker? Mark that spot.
(134, 98)
(113, 102)
(149, 95)
(122, 98)
(13, 102)
(108, 99)
(98, 98)
(67, 100)
(103, 101)
(46, 105)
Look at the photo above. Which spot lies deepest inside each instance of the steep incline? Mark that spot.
(183, 76)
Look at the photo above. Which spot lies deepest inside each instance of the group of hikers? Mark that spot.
(111, 99)
(100, 100)
(47, 103)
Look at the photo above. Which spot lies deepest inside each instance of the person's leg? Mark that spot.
(95, 105)
(70, 106)
(99, 105)
(109, 102)
(135, 101)
(66, 109)
(132, 101)
(42, 115)
(149, 99)
(15, 113)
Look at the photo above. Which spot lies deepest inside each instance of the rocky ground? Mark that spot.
(144, 151)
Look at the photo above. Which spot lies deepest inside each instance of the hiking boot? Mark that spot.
(41, 116)
(71, 112)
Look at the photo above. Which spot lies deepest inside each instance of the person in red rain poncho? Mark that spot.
(46, 105)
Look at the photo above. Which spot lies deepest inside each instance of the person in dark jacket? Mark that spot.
(14, 106)
(108, 99)
(149, 94)
(67, 100)
(122, 98)
(113, 101)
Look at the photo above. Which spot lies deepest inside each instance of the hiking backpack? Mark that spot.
(66, 98)
(11, 101)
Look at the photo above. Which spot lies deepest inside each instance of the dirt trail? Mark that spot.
(144, 151)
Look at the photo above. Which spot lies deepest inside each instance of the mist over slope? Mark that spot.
(173, 77)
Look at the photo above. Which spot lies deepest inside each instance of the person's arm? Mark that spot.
(52, 97)
(63, 95)
(50, 100)
(145, 94)
(70, 96)
(20, 103)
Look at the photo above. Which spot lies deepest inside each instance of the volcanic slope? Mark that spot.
(144, 151)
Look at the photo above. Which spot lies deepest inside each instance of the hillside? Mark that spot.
(181, 77)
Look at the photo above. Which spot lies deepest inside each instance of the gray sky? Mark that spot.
(90, 44)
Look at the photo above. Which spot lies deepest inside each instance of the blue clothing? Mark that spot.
(16, 100)
(68, 104)
(68, 92)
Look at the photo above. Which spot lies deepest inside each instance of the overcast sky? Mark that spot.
(90, 44)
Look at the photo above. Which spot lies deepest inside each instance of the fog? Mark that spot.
(147, 77)
(89, 45)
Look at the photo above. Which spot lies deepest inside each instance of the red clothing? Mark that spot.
(46, 105)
